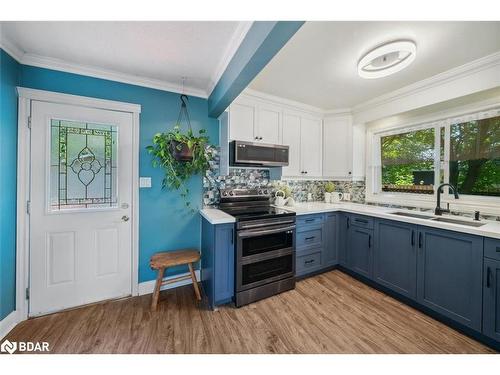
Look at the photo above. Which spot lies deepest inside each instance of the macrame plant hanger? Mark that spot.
(183, 113)
(181, 151)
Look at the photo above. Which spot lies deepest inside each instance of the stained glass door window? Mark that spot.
(83, 168)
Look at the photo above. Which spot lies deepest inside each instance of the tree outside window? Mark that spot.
(473, 160)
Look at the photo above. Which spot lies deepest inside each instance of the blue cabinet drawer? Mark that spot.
(309, 238)
(492, 248)
(362, 221)
(308, 263)
(309, 220)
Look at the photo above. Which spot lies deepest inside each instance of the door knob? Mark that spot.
(125, 218)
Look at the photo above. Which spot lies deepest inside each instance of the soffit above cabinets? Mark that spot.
(318, 66)
(151, 54)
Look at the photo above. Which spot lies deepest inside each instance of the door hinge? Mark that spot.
(27, 293)
(29, 122)
(28, 207)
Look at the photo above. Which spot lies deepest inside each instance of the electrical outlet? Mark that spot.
(145, 182)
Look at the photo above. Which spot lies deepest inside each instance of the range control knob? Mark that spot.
(266, 192)
(224, 193)
(231, 193)
(260, 192)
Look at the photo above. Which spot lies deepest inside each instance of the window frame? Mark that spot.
(374, 193)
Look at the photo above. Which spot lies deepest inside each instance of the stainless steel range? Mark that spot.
(265, 244)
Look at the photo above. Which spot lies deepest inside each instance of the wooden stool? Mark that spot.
(161, 261)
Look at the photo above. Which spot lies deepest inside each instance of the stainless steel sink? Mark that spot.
(410, 214)
(459, 222)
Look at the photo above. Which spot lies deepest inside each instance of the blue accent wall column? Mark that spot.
(164, 222)
(9, 75)
(262, 42)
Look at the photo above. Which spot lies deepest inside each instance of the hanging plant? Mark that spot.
(181, 155)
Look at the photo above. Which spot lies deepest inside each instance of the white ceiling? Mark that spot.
(318, 66)
(158, 52)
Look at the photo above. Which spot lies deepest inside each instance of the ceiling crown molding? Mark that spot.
(233, 45)
(428, 83)
(91, 71)
(291, 104)
(9, 47)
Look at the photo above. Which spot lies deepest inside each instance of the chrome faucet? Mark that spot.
(439, 211)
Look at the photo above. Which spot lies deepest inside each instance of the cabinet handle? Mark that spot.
(412, 238)
(305, 172)
(309, 220)
(256, 138)
(260, 138)
(369, 241)
(309, 261)
(420, 240)
(310, 238)
(364, 221)
(232, 236)
(348, 222)
(488, 276)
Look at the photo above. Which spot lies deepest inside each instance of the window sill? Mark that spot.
(466, 204)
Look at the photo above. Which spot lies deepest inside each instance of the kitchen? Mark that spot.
(400, 239)
(345, 199)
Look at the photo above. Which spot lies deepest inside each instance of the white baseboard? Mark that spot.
(8, 323)
(147, 287)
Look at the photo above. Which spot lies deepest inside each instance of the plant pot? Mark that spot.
(184, 154)
(328, 197)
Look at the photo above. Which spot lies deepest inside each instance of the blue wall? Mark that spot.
(165, 223)
(9, 71)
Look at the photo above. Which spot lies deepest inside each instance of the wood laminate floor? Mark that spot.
(329, 313)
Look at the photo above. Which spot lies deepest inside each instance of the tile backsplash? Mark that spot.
(257, 178)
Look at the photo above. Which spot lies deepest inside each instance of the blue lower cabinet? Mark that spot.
(360, 250)
(449, 274)
(395, 257)
(491, 299)
(330, 248)
(343, 234)
(217, 262)
(308, 262)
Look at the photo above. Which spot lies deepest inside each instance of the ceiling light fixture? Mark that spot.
(387, 59)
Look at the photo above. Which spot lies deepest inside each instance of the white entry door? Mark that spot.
(80, 209)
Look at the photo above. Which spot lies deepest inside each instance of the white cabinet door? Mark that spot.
(242, 118)
(311, 147)
(268, 128)
(337, 147)
(291, 138)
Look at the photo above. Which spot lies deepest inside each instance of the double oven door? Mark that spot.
(265, 252)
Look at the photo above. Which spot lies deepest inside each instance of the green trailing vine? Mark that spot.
(177, 172)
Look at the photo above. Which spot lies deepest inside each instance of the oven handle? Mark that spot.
(260, 225)
(255, 233)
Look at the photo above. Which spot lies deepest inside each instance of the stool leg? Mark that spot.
(195, 282)
(156, 293)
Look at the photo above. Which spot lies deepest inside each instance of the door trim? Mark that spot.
(26, 96)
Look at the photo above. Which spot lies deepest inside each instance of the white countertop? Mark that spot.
(216, 216)
(490, 229)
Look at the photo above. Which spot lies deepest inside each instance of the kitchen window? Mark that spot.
(407, 161)
(464, 151)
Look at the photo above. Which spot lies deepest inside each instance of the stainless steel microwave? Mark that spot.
(257, 154)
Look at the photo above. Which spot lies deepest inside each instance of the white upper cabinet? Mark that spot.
(311, 156)
(291, 138)
(242, 120)
(337, 147)
(253, 121)
(321, 146)
(268, 127)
